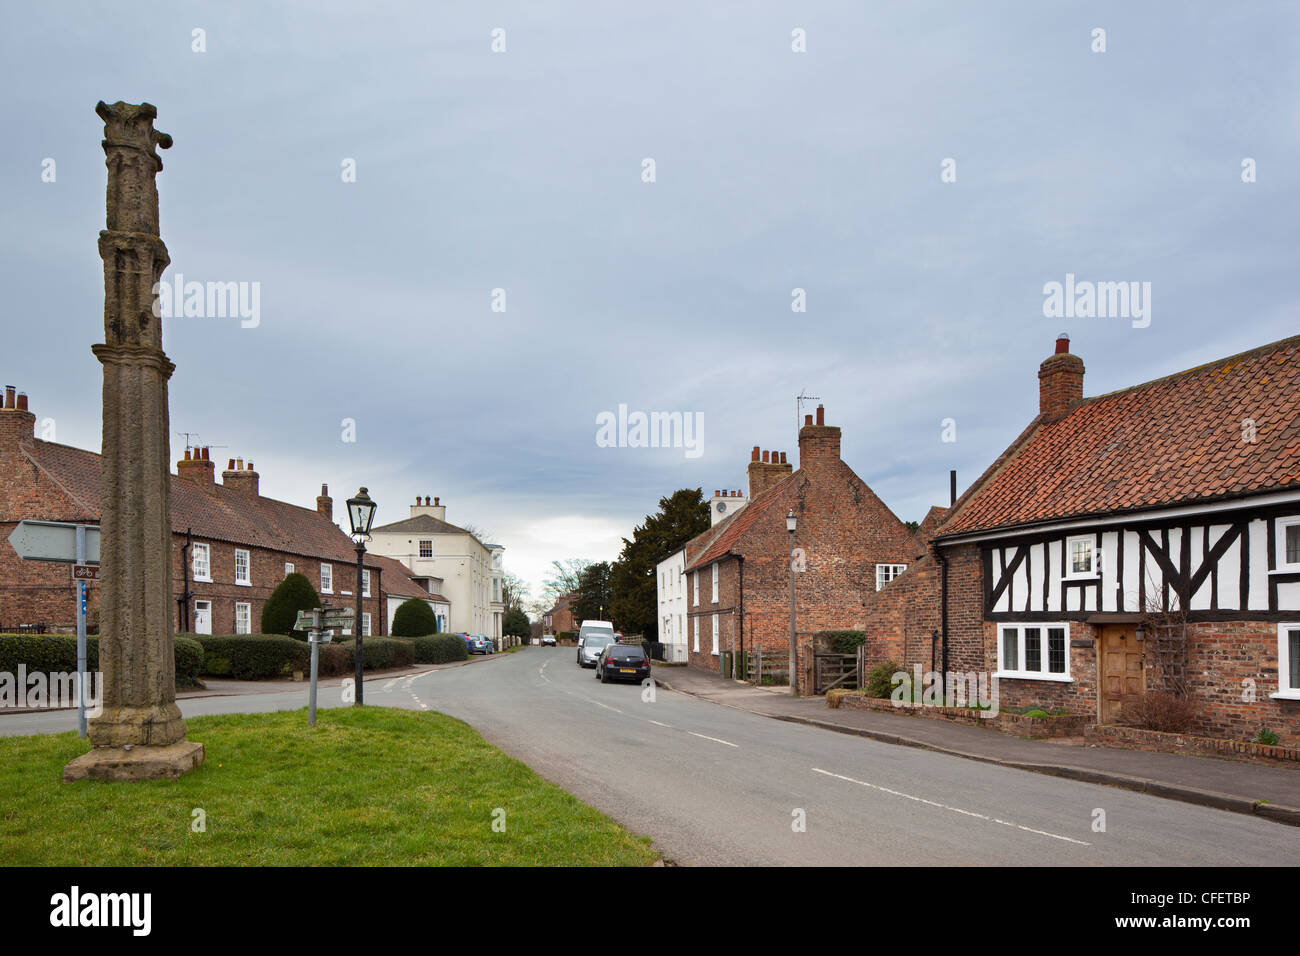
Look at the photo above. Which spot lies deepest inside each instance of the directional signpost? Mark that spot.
(75, 544)
(318, 623)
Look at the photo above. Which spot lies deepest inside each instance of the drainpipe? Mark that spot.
(943, 609)
(740, 617)
(185, 583)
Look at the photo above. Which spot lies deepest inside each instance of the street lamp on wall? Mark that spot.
(361, 515)
(794, 654)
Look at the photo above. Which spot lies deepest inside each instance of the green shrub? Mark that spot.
(57, 653)
(1040, 714)
(880, 679)
(295, 593)
(377, 653)
(440, 649)
(253, 656)
(515, 623)
(414, 618)
(843, 642)
(1266, 737)
(189, 661)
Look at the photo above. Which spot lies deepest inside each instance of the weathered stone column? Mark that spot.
(140, 734)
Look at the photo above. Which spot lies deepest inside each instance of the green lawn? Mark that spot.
(375, 786)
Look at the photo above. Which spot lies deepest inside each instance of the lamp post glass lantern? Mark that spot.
(361, 515)
(794, 656)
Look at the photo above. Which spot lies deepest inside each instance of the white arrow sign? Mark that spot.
(53, 541)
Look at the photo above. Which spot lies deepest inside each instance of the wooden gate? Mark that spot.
(834, 670)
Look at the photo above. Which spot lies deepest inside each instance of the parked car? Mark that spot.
(481, 644)
(548, 640)
(590, 647)
(622, 662)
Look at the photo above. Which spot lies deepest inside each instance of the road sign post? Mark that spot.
(318, 623)
(65, 543)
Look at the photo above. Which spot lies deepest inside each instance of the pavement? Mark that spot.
(1268, 791)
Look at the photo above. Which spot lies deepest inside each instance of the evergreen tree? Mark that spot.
(633, 584)
(414, 618)
(295, 593)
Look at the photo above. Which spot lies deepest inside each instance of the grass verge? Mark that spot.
(375, 786)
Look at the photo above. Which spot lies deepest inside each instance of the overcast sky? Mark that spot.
(523, 170)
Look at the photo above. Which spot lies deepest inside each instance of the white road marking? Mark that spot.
(658, 724)
(944, 806)
(714, 739)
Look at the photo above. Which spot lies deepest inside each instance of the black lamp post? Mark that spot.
(794, 654)
(361, 515)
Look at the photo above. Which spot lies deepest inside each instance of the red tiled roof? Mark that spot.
(1173, 441)
(213, 512)
(719, 540)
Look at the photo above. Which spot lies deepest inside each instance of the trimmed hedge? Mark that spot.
(440, 648)
(253, 656)
(378, 653)
(413, 619)
(295, 593)
(57, 653)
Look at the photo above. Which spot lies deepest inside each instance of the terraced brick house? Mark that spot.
(1138, 541)
(231, 545)
(736, 574)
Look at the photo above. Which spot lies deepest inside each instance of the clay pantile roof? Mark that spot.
(213, 512)
(1176, 440)
(719, 540)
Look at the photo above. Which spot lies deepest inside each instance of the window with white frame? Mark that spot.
(715, 584)
(201, 562)
(327, 578)
(697, 590)
(288, 568)
(243, 567)
(1034, 651)
(426, 548)
(1288, 544)
(365, 582)
(365, 623)
(697, 635)
(715, 635)
(1080, 559)
(887, 572)
(1288, 661)
(243, 617)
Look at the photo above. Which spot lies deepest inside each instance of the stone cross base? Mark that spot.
(151, 726)
(135, 763)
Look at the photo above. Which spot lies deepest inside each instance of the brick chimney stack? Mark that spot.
(16, 422)
(818, 442)
(766, 468)
(240, 477)
(197, 467)
(1060, 381)
(324, 503)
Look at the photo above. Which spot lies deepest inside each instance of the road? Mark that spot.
(715, 785)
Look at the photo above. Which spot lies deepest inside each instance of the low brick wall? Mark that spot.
(1156, 742)
(1067, 725)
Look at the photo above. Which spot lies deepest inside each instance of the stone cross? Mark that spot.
(140, 734)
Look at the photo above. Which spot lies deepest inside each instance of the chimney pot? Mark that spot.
(754, 455)
(1063, 343)
(716, 493)
(206, 453)
(821, 414)
(231, 465)
(435, 501)
(22, 401)
(426, 499)
(9, 396)
(324, 490)
(250, 466)
(187, 454)
(807, 419)
(783, 458)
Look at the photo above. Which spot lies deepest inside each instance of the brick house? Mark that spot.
(559, 619)
(737, 572)
(231, 546)
(1143, 540)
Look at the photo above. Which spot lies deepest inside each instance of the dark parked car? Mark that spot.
(623, 662)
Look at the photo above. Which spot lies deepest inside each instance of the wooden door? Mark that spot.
(1123, 677)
